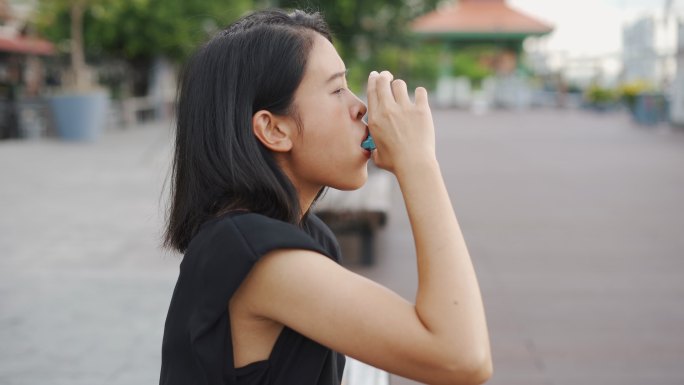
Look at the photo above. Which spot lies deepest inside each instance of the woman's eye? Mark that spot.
(338, 91)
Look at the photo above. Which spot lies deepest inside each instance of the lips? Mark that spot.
(365, 136)
(365, 145)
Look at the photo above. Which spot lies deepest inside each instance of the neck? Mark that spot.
(306, 192)
(306, 198)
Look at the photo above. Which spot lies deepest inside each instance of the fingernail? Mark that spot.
(374, 73)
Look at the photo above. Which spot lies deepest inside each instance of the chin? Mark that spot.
(349, 187)
(349, 184)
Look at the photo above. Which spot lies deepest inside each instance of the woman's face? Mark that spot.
(327, 150)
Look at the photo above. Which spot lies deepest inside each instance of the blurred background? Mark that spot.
(560, 129)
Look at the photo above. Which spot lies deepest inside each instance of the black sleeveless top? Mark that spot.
(197, 346)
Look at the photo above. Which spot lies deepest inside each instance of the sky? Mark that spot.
(589, 27)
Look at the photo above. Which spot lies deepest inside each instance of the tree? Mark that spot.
(374, 35)
(140, 30)
(136, 31)
(361, 26)
(72, 21)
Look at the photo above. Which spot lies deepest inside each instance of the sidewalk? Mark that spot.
(574, 222)
(83, 286)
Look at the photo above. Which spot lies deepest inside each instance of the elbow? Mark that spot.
(471, 371)
(480, 373)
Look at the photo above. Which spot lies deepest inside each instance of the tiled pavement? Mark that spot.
(83, 285)
(575, 222)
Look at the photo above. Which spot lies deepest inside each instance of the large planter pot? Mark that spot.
(650, 108)
(80, 116)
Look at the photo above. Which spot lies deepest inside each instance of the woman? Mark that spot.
(265, 122)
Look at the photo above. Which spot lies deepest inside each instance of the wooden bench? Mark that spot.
(361, 212)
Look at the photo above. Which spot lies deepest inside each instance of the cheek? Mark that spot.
(323, 113)
(316, 153)
(325, 125)
(331, 164)
(324, 154)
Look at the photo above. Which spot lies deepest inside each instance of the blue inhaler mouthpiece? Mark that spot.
(369, 143)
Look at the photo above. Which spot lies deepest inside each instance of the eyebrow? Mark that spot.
(337, 75)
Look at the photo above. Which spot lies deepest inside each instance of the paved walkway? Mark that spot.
(574, 222)
(83, 286)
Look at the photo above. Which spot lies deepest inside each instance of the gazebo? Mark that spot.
(477, 22)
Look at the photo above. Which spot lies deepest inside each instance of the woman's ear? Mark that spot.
(272, 131)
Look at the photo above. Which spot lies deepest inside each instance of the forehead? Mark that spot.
(323, 61)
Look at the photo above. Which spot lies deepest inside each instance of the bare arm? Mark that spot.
(448, 301)
(442, 339)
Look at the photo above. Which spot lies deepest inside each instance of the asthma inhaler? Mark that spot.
(368, 143)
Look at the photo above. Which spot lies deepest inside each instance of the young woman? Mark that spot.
(265, 122)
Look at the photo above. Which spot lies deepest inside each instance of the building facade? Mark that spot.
(677, 100)
(639, 56)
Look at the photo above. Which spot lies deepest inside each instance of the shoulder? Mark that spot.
(261, 234)
(322, 233)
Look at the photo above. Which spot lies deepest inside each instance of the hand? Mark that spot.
(403, 130)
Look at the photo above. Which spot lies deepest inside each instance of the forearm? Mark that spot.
(448, 301)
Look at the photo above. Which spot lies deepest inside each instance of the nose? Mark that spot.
(359, 109)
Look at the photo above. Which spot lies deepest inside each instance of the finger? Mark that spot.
(384, 90)
(421, 96)
(400, 91)
(371, 91)
(387, 74)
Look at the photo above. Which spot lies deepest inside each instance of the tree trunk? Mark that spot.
(78, 64)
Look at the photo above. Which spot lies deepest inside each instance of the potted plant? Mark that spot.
(80, 109)
(630, 91)
(600, 98)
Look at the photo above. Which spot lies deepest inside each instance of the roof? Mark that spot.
(26, 45)
(479, 18)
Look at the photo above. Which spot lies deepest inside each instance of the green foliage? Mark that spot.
(370, 34)
(469, 63)
(424, 67)
(629, 91)
(362, 27)
(418, 66)
(140, 29)
(596, 94)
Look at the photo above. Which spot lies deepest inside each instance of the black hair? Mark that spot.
(219, 165)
